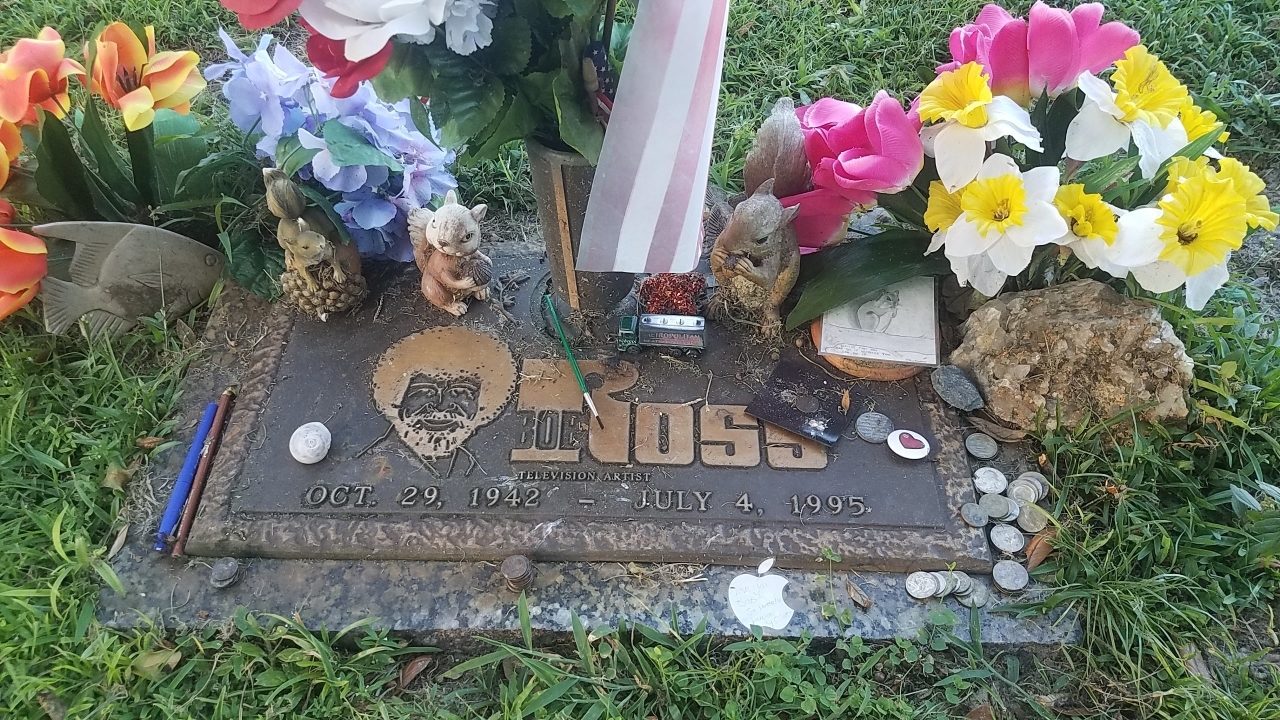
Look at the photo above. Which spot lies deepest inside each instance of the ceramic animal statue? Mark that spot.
(123, 271)
(778, 153)
(322, 275)
(756, 260)
(446, 247)
(875, 315)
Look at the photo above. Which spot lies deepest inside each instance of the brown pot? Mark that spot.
(562, 186)
(877, 370)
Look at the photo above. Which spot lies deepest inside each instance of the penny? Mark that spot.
(1023, 492)
(1033, 518)
(873, 427)
(921, 585)
(807, 404)
(1009, 576)
(973, 515)
(1007, 538)
(982, 446)
(908, 444)
(989, 480)
(997, 506)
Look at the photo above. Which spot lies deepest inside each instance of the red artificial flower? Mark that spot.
(329, 57)
(258, 14)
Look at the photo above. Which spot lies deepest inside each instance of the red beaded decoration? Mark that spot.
(672, 293)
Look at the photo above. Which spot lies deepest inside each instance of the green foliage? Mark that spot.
(527, 83)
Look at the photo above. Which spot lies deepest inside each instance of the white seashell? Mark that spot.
(310, 443)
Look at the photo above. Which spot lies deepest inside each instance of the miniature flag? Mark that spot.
(645, 212)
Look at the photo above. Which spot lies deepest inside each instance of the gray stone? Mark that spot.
(956, 389)
(1074, 352)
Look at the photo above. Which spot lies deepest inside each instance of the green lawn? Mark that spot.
(1169, 541)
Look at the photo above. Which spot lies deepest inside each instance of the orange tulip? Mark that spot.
(34, 73)
(138, 80)
(10, 146)
(23, 264)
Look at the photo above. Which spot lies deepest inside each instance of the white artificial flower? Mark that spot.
(959, 149)
(466, 26)
(1163, 276)
(368, 25)
(1005, 215)
(1100, 129)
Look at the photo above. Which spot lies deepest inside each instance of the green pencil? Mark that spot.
(573, 361)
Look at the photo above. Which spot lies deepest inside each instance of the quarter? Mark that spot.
(873, 427)
(978, 598)
(1023, 492)
(1033, 518)
(997, 506)
(946, 583)
(989, 480)
(1007, 538)
(973, 515)
(1009, 576)
(921, 585)
(982, 446)
(1038, 480)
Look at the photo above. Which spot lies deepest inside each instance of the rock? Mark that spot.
(956, 389)
(1073, 353)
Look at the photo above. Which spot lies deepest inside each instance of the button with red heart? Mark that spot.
(908, 444)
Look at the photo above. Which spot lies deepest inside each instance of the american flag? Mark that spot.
(645, 211)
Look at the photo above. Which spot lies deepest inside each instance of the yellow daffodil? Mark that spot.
(1246, 183)
(1004, 215)
(1181, 169)
(944, 207)
(1092, 230)
(1144, 105)
(1199, 122)
(968, 116)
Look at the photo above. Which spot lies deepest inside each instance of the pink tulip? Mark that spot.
(1043, 55)
(855, 153)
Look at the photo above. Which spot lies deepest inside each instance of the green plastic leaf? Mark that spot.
(470, 109)
(60, 175)
(106, 153)
(253, 261)
(1103, 178)
(326, 205)
(348, 148)
(578, 127)
(1191, 150)
(516, 121)
(142, 158)
(405, 76)
(292, 156)
(861, 267)
(421, 120)
(180, 147)
(512, 46)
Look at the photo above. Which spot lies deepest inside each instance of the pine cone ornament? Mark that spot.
(327, 296)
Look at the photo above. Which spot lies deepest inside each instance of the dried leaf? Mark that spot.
(52, 705)
(148, 442)
(981, 712)
(149, 664)
(118, 544)
(999, 432)
(116, 477)
(845, 402)
(857, 595)
(1040, 547)
(412, 669)
(1193, 660)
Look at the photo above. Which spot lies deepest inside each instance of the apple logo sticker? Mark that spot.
(757, 599)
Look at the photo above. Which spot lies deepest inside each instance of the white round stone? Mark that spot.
(310, 443)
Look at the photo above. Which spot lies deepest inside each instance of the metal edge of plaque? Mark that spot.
(219, 530)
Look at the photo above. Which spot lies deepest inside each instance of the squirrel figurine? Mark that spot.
(322, 275)
(756, 260)
(446, 247)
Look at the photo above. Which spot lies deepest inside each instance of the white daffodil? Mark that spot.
(1144, 106)
(970, 118)
(1098, 234)
(368, 25)
(996, 222)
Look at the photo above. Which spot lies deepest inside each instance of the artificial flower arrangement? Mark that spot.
(1053, 144)
(360, 156)
(495, 70)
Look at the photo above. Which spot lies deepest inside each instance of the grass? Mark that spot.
(1168, 541)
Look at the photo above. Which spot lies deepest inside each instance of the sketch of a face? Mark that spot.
(875, 315)
(440, 403)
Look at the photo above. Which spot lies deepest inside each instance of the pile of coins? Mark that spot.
(1001, 504)
(967, 591)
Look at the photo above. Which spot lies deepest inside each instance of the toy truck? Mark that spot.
(685, 333)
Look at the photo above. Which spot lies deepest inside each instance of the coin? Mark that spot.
(1007, 538)
(225, 572)
(978, 598)
(908, 444)
(1014, 511)
(1023, 492)
(1040, 482)
(997, 506)
(964, 583)
(921, 585)
(946, 583)
(973, 515)
(982, 446)
(1033, 518)
(989, 480)
(873, 427)
(807, 404)
(1009, 576)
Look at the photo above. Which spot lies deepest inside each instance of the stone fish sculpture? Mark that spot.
(123, 271)
(446, 247)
